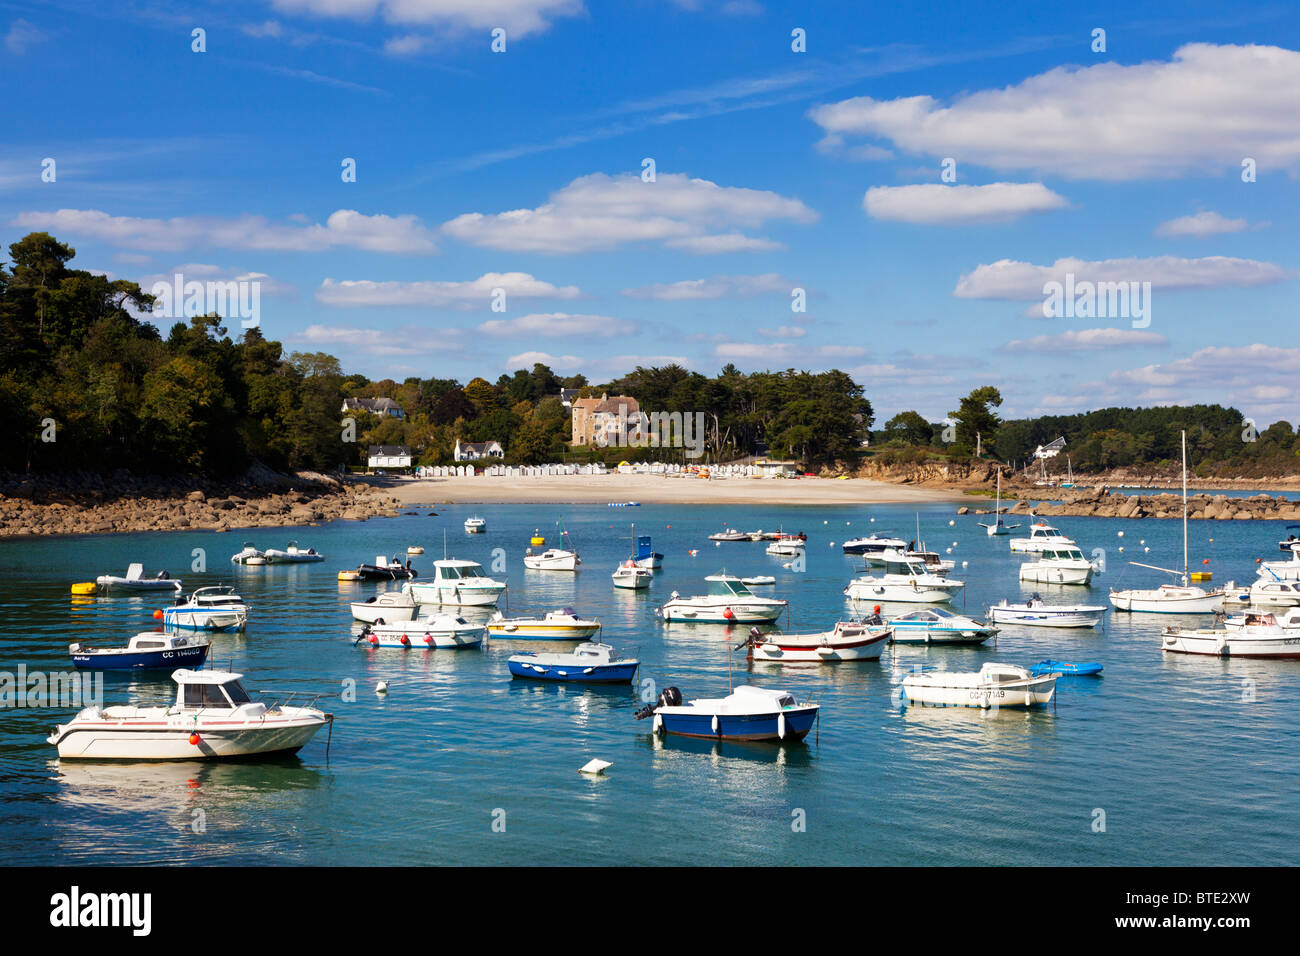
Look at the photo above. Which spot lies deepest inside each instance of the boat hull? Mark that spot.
(143, 660)
(1124, 601)
(941, 635)
(537, 563)
(540, 632)
(1032, 693)
(782, 649)
(621, 672)
(1045, 617)
(754, 727)
(1282, 646)
(740, 613)
(110, 583)
(169, 740)
(451, 596)
(205, 620)
(1048, 574)
(900, 593)
(419, 638)
(368, 613)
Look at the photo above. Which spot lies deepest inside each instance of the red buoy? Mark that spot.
(428, 639)
(406, 641)
(727, 613)
(374, 640)
(876, 609)
(194, 740)
(1206, 561)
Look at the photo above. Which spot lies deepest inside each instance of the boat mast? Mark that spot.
(1185, 577)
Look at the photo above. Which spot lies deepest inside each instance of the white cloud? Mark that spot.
(22, 36)
(529, 359)
(518, 17)
(1259, 379)
(345, 228)
(600, 212)
(1086, 340)
(784, 332)
(559, 325)
(476, 293)
(1023, 281)
(205, 272)
(935, 204)
(1200, 112)
(377, 342)
(785, 352)
(717, 287)
(1199, 226)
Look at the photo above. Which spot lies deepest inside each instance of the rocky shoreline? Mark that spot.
(1104, 503)
(121, 502)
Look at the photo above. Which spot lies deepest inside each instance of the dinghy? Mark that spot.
(385, 569)
(994, 685)
(436, 631)
(213, 718)
(385, 606)
(208, 609)
(136, 581)
(1037, 613)
(1263, 638)
(292, 554)
(747, 713)
(589, 663)
(249, 555)
(846, 641)
(1067, 668)
(562, 625)
(150, 650)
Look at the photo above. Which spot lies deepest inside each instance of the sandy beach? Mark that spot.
(654, 489)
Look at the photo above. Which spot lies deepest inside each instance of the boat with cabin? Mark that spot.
(216, 608)
(873, 543)
(1261, 637)
(457, 583)
(728, 601)
(909, 582)
(1058, 566)
(747, 713)
(631, 576)
(149, 650)
(213, 718)
(588, 663)
(475, 525)
(1042, 537)
(561, 625)
(937, 625)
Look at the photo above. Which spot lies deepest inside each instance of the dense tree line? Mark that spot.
(1219, 439)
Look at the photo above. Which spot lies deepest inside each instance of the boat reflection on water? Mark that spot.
(784, 754)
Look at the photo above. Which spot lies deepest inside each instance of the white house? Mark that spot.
(375, 406)
(389, 456)
(476, 450)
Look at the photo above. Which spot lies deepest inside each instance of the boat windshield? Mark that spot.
(237, 693)
(471, 571)
(207, 695)
(905, 567)
(728, 587)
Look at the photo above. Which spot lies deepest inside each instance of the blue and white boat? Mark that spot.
(645, 555)
(1067, 668)
(208, 609)
(590, 663)
(747, 713)
(935, 625)
(150, 650)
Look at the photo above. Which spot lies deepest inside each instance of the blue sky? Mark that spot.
(775, 169)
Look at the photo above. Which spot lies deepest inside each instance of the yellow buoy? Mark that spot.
(1202, 575)
(349, 575)
(85, 587)
(537, 539)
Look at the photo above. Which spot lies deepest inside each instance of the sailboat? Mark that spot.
(998, 526)
(1185, 598)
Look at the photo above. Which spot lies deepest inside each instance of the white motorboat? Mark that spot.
(729, 601)
(904, 581)
(1042, 537)
(475, 525)
(873, 543)
(847, 641)
(552, 559)
(213, 718)
(446, 631)
(730, 534)
(208, 609)
(562, 625)
(936, 625)
(589, 663)
(1291, 542)
(930, 559)
(994, 685)
(1037, 613)
(1184, 598)
(149, 650)
(747, 713)
(790, 547)
(1058, 566)
(1289, 619)
(457, 583)
(632, 576)
(136, 581)
(1263, 593)
(758, 580)
(1282, 570)
(1261, 638)
(249, 555)
(292, 554)
(997, 526)
(385, 606)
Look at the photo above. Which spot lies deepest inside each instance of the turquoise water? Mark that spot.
(1192, 760)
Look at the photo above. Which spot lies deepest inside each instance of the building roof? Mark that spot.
(615, 405)
(389, 451)
(479, 446)
(372, 404)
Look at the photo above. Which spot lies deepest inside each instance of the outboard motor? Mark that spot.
(669, 697)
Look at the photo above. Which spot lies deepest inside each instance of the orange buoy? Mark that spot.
(428, 640)
(374, 640)
(1206, 561)
(876, 609)
(157, 615)
(195, 740)
(728, 614)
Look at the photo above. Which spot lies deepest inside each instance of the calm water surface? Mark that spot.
(1192, 760)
